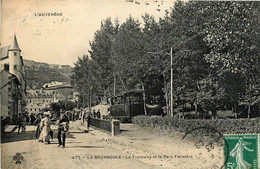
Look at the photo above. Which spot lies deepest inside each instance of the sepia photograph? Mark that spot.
(129, 84)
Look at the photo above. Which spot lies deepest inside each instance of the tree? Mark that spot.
(86, 80)
(101, 53)
(127, 50)
(232, 33)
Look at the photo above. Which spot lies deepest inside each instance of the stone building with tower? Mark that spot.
(13, 82)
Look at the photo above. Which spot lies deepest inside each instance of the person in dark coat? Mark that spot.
(65, 116)
(19, 123)
(98, 114)
(94, 113)
(88, 117)
(37, 122)
(27, 118)
(32, 117)
(63, 127)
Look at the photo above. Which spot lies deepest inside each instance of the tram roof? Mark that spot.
(130, 92)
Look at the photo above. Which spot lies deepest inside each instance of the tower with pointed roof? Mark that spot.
(14, 54)
(13, 83)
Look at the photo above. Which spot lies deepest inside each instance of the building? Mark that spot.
(38, 99)
(13, 82)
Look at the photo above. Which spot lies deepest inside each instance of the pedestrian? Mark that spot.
(83, 117)
(63, 127)
(98, 114)
(65, 116)
(19, 123)
(37, 123)
(94, 113)
(45, 128)
(32, 118)
(27, 118)
(88, 117)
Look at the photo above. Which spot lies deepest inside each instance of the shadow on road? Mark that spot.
(28, 135)
(86, 147)
(124, 130)
(13, 137)
(76, 132)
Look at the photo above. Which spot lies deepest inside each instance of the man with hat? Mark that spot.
(45, 126)
(63, 127)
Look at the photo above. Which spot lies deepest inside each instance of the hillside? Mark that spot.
(38, 73)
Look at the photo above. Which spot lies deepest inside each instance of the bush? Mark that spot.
(225, 126)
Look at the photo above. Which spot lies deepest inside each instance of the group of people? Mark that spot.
(42, 122)
(44, 132)
(22, 120)
(97, 114)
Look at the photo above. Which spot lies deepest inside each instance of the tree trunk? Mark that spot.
(249, 109)
(249, 102)
(214, 113)
(114, 84)
(234, 110)
(90, 101)
(145, 111)
(196, 106)
(183, 109)
(83, 100)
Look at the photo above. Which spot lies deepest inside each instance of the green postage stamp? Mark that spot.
(241, 151)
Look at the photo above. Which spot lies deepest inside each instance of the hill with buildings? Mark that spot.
(38, 73)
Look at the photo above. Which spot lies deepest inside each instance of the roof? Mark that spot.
(4, 52)
(6, 72)
(14, 45)
(131, 92)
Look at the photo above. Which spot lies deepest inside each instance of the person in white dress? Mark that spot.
(45, 126)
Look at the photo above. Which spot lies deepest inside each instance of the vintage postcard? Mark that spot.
(130, 84)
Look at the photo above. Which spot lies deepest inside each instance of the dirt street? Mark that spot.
(82, 151)
(134, 147)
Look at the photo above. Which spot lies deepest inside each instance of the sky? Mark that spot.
(62, 39)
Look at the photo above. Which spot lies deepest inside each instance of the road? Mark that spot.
(83, 150)
(134, 147)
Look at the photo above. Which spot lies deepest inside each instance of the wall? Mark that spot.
(4, 93)
(111, 126)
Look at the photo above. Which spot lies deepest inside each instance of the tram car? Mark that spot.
(124, 107)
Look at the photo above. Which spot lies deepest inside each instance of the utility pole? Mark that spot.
(171, 84)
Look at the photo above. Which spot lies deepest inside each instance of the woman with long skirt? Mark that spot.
(45, 128)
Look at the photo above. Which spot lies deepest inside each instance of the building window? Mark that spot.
(15, 67)
(15, 53)
(6, 67)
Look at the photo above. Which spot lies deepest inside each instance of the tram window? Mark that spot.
(135, 99)
(119, 100)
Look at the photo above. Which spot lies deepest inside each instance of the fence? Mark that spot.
(112, 126)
